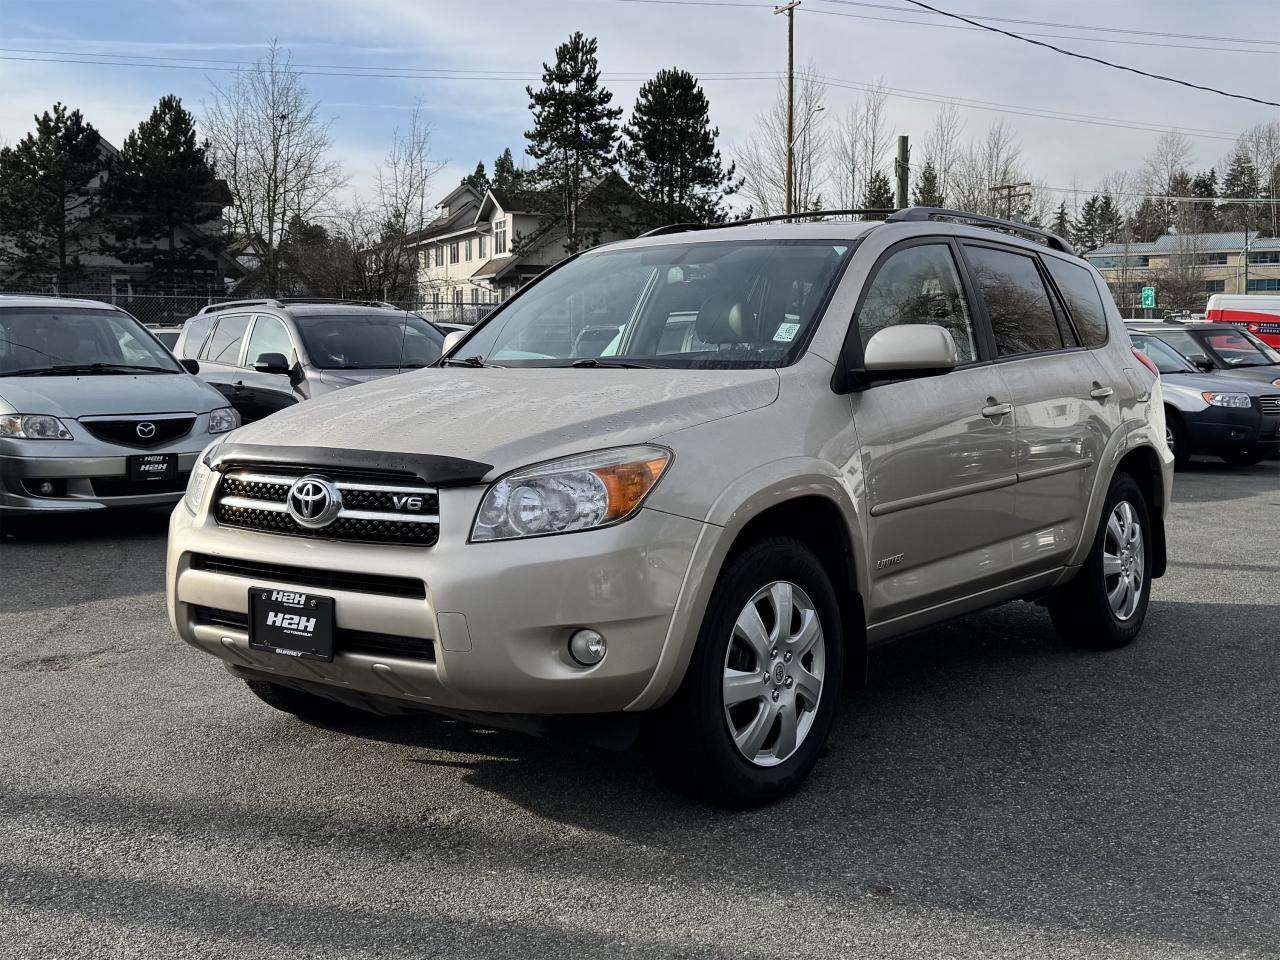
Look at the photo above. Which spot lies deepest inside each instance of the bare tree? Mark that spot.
(271, 146)
(1172, 154)
(1179, 281)
(942, 146)
(762, 160)
(860, 147)
(992, 161)
(1263, 146)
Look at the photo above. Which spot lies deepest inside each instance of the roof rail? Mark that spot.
(674, 228)
(336, 301)
(237, 304)
(881, 212)
(1051, 240)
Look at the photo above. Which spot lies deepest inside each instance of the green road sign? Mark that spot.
(1148, 298)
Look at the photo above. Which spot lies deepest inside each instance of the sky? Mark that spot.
(490, 49)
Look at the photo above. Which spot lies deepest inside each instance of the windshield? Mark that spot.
(1166, 359)
(369, 341)
(710, 305)
(37, 341)
(1235, 348)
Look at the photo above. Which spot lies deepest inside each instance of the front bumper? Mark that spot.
(1219, 429)
(496, 617)
(75, 478)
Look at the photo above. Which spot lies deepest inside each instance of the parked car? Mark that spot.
(1257, 313)
(1221, 350)
(94, 412)
(166, 335)
(1207, 413)
(265, 355)
(869, 429)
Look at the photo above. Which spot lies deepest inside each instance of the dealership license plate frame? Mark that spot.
(287, 637)
(142, 467)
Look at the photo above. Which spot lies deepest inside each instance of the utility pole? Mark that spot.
(790, 10)
(1008, 193)
(901, 168)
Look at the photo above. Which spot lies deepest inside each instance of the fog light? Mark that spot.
(587, 647)
(45, 488)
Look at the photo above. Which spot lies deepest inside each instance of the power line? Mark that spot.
(1098, 60)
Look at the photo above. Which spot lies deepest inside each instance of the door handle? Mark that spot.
(1099, 392)
(994, 411)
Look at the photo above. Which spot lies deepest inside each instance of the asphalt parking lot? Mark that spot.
(991, 795)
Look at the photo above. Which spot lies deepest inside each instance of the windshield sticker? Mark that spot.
(786, 332)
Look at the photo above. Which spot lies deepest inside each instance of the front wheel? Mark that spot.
(1104, 606)
(759, 697)
(1177, 440)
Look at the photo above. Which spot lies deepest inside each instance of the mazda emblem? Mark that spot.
(313, 502)
(146, 430)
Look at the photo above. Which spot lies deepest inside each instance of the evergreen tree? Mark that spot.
(47, 187)
(1061, 221)
(1241, 180)
(1109, 220)
(1148, 221)
(669, 152)
(1085, 230)
(160, 195)
(479, 179)
(927, 192)
(507, 177)
(878, 195)
(574, 131)
(1204, 216)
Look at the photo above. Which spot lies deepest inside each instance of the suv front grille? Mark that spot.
(373, 510)
(344, 639)
(139, 431)
(311, 577)
(1270, 405)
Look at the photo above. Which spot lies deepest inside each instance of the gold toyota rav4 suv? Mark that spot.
(694, 475)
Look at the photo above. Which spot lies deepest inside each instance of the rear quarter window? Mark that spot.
(1083, 299)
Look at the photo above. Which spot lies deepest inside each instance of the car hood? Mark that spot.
(105, 394)
(349, 378)
(512, 417)
(1196, 382)
(1247, 375)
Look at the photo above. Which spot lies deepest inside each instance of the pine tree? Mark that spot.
(47, 187)
(479, 179)
(507, 177)
(1148, 221)
(1108, 220)
(1241, 181)
(878, 195)
(1204, 216)
(927, 192)
(1085, 232)
(1061, 221)
(160, 195)
(669, 152)
(574, 131)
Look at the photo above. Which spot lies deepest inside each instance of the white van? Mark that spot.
(1257, 313)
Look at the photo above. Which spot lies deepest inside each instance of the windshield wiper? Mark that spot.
(465, 362)
(66, 368)
(614, 364)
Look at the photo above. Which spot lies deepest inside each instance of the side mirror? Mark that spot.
(909, 350)
(451, 340)
(189, 365)
(271, 363)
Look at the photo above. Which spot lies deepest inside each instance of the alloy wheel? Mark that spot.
(774, 670)
(1123, 561)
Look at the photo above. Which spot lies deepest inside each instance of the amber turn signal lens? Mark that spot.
(627, 483)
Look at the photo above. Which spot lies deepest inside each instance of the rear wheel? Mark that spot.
(304, 706)
(759, 697)
(1104, 606)
(1242, 458)
(1177, 439)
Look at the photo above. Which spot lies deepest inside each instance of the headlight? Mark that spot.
(577, 493)
(33, 426)
(223, 419)
(199, 479)
(1227, 399)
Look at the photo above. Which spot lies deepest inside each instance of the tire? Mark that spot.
(1177, 438)
(1243, 458)
(1087, 612)
(304, 706)
(798, 689)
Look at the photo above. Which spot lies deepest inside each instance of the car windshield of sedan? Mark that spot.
(57, 341)
(1238, 349)
(370, 341)
(708, 305)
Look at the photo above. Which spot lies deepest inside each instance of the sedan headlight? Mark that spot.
(33, 426)
(223, 419)
(1227, 399)
(577, 493)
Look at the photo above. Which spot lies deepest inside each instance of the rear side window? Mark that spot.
(224, 345)
(1083, 299)
(919, 285)
(1018, 304)
(197, 330)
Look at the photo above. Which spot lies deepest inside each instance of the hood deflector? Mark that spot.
(435, 470)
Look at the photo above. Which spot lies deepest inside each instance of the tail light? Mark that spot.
(1146, 361)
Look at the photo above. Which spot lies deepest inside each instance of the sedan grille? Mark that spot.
(140, 430)
(1270, 405)
(371, 511)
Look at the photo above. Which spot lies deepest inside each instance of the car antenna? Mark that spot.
(404, 332)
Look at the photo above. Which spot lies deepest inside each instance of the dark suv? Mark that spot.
(265, 355)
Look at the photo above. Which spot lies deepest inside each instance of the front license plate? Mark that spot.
(291, 624)
(153, 466)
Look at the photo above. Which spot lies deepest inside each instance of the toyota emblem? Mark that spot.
(146, 430)
(313, 502)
